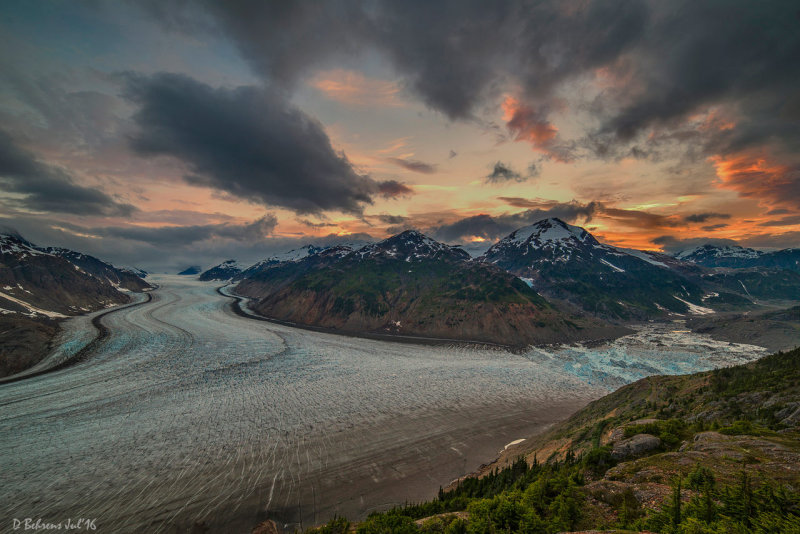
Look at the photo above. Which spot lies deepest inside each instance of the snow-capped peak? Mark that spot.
(16, 244)
(410, 245)
(296, 254)
(718, 251)
(548, 234)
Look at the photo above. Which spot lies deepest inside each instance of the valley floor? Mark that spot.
(188, 414)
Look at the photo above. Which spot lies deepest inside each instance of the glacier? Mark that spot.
(188, 414)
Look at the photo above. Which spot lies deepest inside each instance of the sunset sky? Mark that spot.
(167, 133)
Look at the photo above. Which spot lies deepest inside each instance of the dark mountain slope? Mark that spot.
(50, 282)
(756, 283)
(774, 329)
(23, 341)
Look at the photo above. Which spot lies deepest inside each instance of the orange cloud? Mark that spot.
(353, 88)
(532, 126)
(753, 176)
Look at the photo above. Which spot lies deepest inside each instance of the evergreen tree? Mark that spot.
(675, 507)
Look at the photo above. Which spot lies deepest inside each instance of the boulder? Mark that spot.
(789, 415)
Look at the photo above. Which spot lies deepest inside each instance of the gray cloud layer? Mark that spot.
(185, 235)
(48, 188)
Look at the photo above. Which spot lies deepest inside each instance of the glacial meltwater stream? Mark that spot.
(188, 414)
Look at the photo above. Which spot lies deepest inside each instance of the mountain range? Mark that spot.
(547, 281)
(412, 285)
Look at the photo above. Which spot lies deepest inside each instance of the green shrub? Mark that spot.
(599, 460)
(741, 427)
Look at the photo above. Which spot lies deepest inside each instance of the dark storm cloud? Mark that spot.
(503, 172)
(495, 227)
(413, 165)
(393, 188)
(482, 225)
(661, 63)
(48, 188)
(779, 241)
(712, 227)
(701, 53)
(249, 142)
(453, 54)
(791, 220)
(778, 211)
(312, 224)
(391, 219)
(641, 219)
(571, 210)
(703, 217)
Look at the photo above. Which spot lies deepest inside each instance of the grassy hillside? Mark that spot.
(713, 452)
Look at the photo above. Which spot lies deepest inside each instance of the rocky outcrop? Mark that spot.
(635, 446)
(789, 415)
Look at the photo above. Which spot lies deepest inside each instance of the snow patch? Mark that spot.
(695, 309)
(745, 289)
(31, 308)
(515, 442)
(613, 266)
(642, 255)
